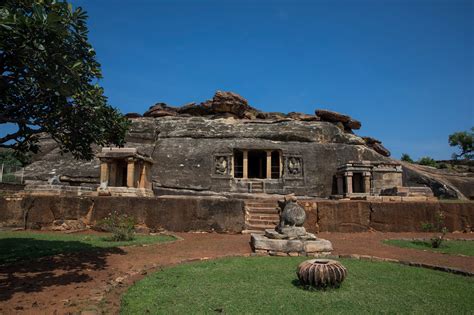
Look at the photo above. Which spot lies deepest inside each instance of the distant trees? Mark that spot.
(48, 80)
(427, 161)
(464, 140)
(406, 158)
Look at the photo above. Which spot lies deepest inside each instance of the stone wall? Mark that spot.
(173, 213)
(361, 216)
(186, 213)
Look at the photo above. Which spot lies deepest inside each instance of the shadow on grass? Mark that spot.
(22, 269)
(426, 244)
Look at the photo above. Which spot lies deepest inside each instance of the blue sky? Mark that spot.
(404, 68)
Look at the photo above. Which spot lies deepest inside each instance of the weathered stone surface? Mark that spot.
(319, 245)
(171, 213)
(260, 242)
(402, 216)
(443, 183)
(184, 142)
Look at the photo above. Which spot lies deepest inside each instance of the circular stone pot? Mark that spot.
(321, 273)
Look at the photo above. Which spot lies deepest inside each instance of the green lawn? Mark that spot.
(22, 245)
(447, 247)
(269, 285)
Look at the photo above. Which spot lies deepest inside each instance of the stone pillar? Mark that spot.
(143, 176)
(280, 160)
(130, 173)
(113, 174)
(348, 182)
(246, 165)
(366, 182)
(269, 164)
(340, 184)
(104, 174)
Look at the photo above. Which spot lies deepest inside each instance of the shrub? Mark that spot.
(121, 226)
(440, 227)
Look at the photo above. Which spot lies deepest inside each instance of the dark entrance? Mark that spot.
(257, 162)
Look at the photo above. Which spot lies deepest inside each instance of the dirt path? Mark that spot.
(95, 281)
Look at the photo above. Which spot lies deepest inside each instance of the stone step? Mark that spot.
(262, 212)
(263, 216)
(262, 208)
(263, 222)
(260, 227)
(261, 205)
(247, 231)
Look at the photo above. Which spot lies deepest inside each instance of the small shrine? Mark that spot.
(125, 172)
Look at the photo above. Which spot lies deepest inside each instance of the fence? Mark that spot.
(12, 174)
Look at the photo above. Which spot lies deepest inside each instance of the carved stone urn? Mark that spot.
(321, 273)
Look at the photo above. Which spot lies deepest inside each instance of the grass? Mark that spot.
(24, 245)
(451, 247)
(269, 285)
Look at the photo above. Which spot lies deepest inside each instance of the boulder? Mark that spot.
(354, 124)
(160, 110)
(327, 115)
(377, 146)
(348, 122)
(229, 102)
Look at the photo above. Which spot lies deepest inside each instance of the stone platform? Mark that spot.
(263, 245)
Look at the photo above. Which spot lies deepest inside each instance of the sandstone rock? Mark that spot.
(377, 146)
(354, 124)
(203, 109)
(302, 116)
(160, 110)
(229, 102)
(327, 115)
(132, 115)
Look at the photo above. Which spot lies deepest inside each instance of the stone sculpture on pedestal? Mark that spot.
(290, 238)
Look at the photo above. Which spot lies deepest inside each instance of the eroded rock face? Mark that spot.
(186, 142)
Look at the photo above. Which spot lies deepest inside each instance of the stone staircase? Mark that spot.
(256, 187)
(260, 214)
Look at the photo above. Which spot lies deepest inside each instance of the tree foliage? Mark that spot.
(426, 160)
(48, 80)
(464, 140)
(406, 158)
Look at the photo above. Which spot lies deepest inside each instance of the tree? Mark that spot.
(406, 158)
(426, 160)
(465, 141)
(48, 80)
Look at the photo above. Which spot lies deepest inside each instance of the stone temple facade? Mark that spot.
(224, 145)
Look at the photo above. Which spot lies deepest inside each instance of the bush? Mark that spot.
(440, 227)
(121, 226)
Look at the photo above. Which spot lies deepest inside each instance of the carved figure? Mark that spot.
(54, 180)
(294, 165)
(221, 165)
